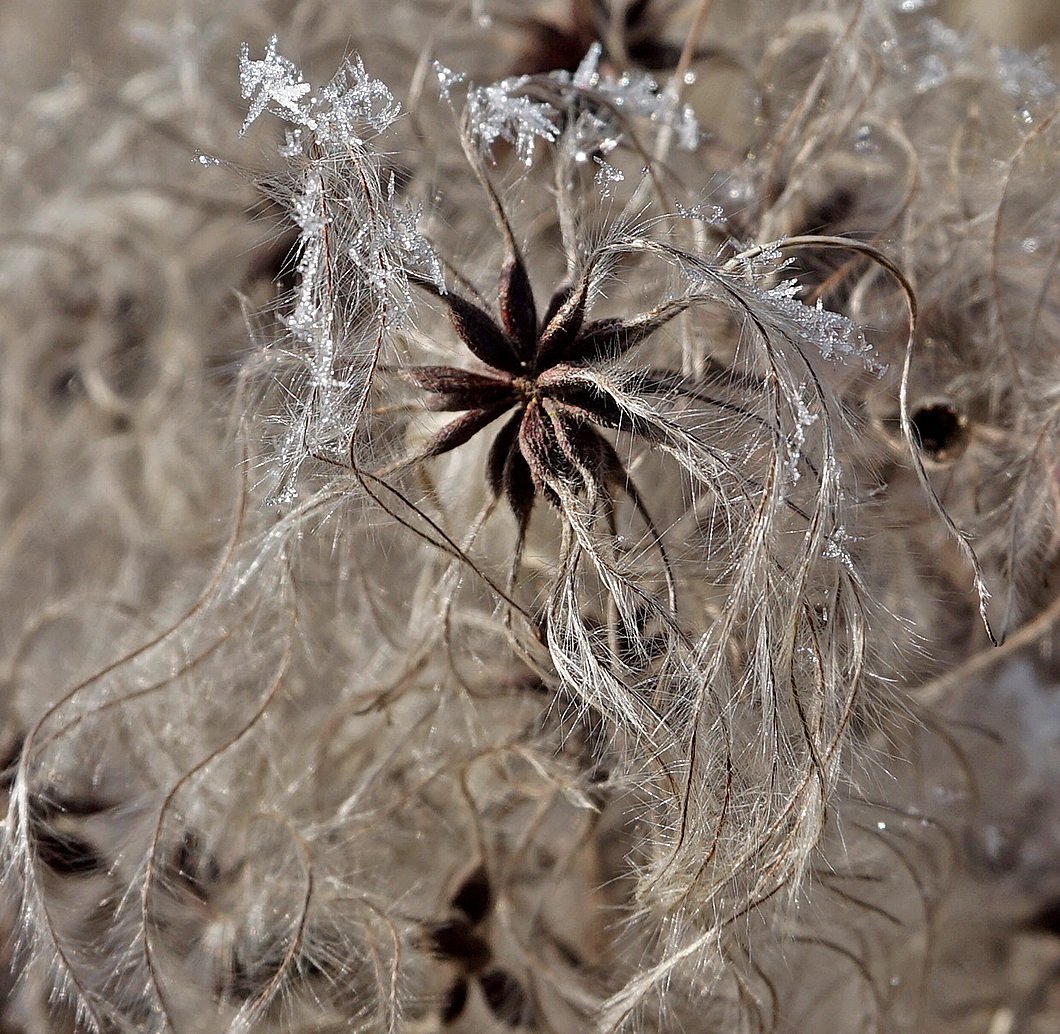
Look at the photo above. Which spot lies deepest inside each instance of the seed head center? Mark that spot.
(526, 388)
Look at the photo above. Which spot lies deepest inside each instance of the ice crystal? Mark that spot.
(941, 48)
(352, 100)
(836, 548)
(500, 112)
(835, 335)
(273, 81)
(506, 111)
(447, 79)
(350, 104)
(587, 73)
(804, 420)
(606, 175)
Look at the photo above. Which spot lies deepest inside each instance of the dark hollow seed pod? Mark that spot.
(941, 430)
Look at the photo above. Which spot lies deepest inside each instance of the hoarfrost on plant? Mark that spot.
(836, 335)
(505, 110)
(351, 104)
(274, 80)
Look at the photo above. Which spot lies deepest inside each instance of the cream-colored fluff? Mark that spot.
(324, 712)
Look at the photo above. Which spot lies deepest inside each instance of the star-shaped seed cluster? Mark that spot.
(536, 367)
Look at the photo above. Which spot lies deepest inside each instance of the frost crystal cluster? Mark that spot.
(566, 542)
(508, 110)
(354, 236)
